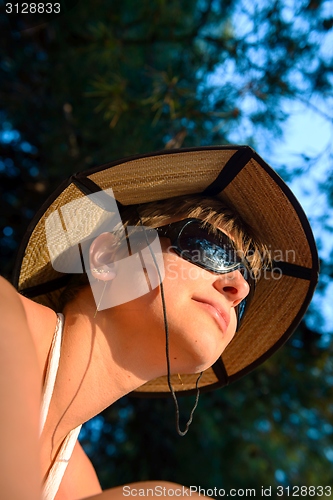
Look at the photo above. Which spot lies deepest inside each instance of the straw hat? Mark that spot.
(236, 175)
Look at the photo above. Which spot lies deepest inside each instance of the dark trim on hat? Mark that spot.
(87, 187)
(231, 169)
(49, 286)
(220, 372)
(293, 270)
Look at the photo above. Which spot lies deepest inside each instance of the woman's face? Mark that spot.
(200, 311)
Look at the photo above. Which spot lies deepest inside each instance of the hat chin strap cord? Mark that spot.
(174, 397)
(166, 328)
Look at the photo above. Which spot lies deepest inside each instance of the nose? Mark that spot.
(233, 286)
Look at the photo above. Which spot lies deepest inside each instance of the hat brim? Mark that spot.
(238, 176)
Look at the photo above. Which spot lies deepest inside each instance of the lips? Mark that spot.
(221, 317)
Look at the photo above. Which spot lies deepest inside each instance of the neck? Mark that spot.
(100, 362)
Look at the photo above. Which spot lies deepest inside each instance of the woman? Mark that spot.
(229, 270)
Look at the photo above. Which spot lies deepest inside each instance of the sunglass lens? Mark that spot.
(207, 249)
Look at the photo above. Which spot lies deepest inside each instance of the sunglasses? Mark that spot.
(211, 249)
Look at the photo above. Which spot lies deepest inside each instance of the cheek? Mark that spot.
(183, 272)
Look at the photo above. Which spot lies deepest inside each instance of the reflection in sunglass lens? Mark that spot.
(207, 249)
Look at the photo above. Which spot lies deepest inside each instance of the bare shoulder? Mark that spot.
(9, 296)
(4, 284)
(14, 327)
(13, 319)
(20, 389)
(24, 317)
(6, 287)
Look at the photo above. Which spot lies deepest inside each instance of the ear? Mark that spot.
(101, 256)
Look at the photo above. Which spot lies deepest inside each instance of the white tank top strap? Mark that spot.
(58, 468)
(52, 370)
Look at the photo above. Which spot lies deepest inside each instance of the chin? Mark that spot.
(201, 361)
(200, 352)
